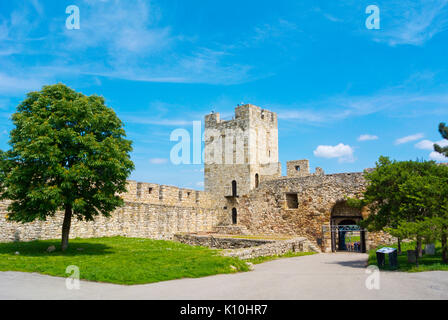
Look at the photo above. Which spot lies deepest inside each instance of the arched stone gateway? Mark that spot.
(346, 235)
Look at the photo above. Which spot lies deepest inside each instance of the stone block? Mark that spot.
(430, 249)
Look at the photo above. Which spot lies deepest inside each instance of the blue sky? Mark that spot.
(344, 94)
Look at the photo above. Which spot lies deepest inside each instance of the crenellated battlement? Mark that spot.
(151, 193)
(301, 168)
(150, 211)
(245, 116)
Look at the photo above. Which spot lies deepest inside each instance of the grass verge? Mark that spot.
(426, 263)
(118, 260)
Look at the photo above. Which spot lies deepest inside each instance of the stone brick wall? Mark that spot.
(248, 248)
(272, 248)
(146, 214)
(265, 210)
(219, 242)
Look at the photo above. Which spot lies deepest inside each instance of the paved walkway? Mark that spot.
(321, 276)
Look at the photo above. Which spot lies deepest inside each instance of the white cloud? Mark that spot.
(425, 145)
(437, 156)
(343, 152)
(157, 122)
(327, 15)
(442, 143)
(410, 22)
(429, 145)
(367, 137)
(37, 6)
(109, 26)
(109, 44)
(200, 184)
(13, 85)
(396, 101)
(158, 160)
(410, 138)
(280, 29)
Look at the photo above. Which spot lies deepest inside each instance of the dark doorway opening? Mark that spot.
(257, 180)
(346, 239)
(234, 216)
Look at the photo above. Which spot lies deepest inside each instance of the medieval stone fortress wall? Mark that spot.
(245, 193)
(150, 211)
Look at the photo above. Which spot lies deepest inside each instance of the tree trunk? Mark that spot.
(416, 257)
(66, 227)
(419, 247)
(444, 248)
(399, 246)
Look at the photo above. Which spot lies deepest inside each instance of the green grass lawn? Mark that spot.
(426, 263)
(118, 260)
(352, 238)
(274, 257)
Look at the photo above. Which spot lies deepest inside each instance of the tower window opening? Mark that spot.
(139, 189)
(234, 216)
(197, 196)
(292, 200)
(160, 193)
(257, 180)
(234, 190)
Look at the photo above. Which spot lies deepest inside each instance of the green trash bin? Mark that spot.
(381, 257)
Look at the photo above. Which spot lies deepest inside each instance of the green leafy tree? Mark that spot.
(68, 153)
(425, 230)
(406, 192)
(441, 226)
(443, 220)
(427, 194)
(382, 196)
(443, 129)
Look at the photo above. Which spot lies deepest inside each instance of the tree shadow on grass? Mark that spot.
(39, 249)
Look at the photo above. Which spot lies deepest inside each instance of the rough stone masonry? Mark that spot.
(245, 193)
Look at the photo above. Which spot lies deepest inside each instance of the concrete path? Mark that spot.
(321, 276)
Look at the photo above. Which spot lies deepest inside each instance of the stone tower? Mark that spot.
(239, 154)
